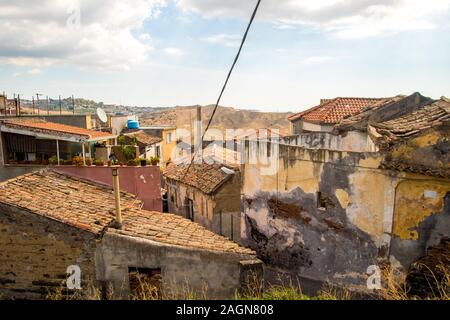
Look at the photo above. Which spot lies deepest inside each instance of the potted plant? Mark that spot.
(77, 161)
(154, 161)
(109, 163)
(88, 161)
(99, 163)
(132, 163)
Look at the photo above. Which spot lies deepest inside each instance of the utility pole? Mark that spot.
(32, 99)
(37, 102)
(73, 105)
(48, 110)
(18, 103)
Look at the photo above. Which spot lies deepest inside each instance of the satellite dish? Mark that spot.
(102, 115)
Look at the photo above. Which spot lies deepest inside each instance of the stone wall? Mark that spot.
(35, 253)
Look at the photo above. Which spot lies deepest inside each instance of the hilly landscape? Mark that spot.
(225, 118)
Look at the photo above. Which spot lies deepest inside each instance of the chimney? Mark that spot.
(118, 222)
(198, 132)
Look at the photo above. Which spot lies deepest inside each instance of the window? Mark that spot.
(158, 152)
(169, 137)
(323, 201)
(145, 283)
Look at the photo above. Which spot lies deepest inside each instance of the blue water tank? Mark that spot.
(133, 124)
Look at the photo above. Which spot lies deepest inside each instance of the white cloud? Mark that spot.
(37, 33)
(342, 18)
(34, 71)
(314, 60)
(227, 40)
(174, 52)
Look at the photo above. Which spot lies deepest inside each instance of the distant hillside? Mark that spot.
(225, 118)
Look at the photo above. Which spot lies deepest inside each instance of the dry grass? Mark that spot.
(394, 288)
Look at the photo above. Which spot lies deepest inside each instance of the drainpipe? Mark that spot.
(118, 221)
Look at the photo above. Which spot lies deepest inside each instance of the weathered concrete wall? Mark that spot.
(300, 126)
(12, 171)
(208, 274)
(421, 218)
(35, 253)
(352, 141)
(328, 215)
(76, 120)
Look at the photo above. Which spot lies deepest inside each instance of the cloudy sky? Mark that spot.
(177, 52)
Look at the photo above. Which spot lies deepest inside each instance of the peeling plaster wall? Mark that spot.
(337, 234)
(352, 141)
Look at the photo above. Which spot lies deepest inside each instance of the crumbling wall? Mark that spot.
(35, 253)
(327, 215)
(207, 274)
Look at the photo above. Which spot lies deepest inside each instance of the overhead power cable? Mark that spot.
(224, 87)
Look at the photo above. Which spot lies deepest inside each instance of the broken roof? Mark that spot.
(332, 111)
(383, 110)
(143, 138)
(414, 123)
(42, 128)
(90, 206)
(208, 178)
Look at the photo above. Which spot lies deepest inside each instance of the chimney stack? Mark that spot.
(116, 187)
(198, 132)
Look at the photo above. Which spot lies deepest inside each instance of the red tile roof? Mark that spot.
(41, 126)
(90, 206)
(334, 110)
(206, 177)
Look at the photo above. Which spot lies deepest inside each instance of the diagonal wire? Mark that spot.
(224, 87)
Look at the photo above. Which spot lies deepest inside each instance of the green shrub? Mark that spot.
(53, 160)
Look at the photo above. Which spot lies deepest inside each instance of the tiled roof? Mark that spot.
(144, 138)
(90, 206)
(205, 177)
(360, 117)
(383, 110)
(413, 123)
(45, 127)
(334, 110)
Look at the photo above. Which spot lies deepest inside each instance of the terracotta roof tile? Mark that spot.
(90, 206)
(413, 123)
(41, 126)
(205, 177)
(334, 110)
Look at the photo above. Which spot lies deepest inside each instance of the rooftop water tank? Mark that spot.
(133, 124)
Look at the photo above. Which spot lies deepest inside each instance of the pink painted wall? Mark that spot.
(144, 182)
